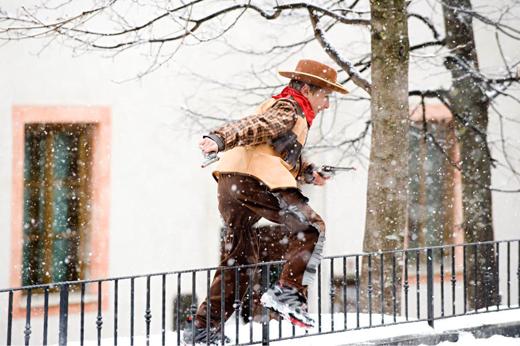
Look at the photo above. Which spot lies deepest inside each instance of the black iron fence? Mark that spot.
(351, 292)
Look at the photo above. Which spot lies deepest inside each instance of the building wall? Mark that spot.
(163, 212)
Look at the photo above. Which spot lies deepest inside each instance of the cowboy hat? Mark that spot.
(316, 73)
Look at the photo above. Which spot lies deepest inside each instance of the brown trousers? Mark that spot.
(243, 200)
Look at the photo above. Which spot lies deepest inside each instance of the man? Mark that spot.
(258, 176)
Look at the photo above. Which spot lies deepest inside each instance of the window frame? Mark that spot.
(439, 113)
(100, 118)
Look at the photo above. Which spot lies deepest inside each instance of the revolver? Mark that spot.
(209, 158)
(329, 171)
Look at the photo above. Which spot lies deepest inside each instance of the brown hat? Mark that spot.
(316, 73)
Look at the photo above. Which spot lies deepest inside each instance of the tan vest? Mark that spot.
(276, 164)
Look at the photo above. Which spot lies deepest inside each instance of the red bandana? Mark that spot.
(301, 100)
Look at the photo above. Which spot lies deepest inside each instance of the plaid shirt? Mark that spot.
(258, 128)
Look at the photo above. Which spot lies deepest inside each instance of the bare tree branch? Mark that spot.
(428, 23)
(343, 62)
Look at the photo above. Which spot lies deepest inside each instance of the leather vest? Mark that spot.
(276, 164)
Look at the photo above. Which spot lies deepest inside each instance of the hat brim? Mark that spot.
(315, 80)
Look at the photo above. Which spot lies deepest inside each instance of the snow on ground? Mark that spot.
(470, 340)
(420, 328)
(358, 337)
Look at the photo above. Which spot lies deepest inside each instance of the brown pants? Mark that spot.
(243, 200)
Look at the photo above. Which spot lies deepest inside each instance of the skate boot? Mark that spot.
(193, 335)
(289, 303)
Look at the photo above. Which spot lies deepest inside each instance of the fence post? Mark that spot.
(429, 285)
(265, 312)
(10, 318)
(64, 314)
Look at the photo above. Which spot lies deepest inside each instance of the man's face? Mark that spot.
(319, 100)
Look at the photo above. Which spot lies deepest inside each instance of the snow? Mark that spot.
(353, 336)
(469, 339)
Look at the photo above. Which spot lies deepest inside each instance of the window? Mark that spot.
(434, 207)
(344, 290)
(56, 188)
(185, 303)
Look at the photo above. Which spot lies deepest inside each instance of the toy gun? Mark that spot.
(329, 171)
(209, 158)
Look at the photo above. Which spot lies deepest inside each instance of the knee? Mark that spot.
(318, 224)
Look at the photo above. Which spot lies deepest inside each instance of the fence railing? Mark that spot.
(422, 284)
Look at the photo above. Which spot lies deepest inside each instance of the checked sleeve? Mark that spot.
(258, 128)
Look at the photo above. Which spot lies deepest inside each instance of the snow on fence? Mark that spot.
(423, 284)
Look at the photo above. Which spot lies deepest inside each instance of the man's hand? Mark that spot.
(319, 179)
(208, 146)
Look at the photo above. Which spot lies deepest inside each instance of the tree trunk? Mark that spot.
(386, 217)
(469, 105)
